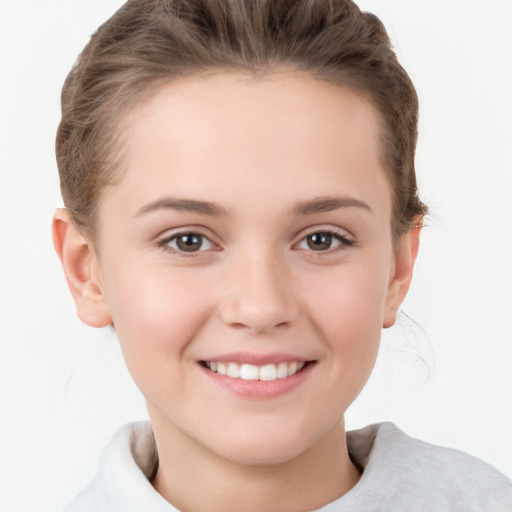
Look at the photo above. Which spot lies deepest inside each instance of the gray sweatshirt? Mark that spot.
(399, 474)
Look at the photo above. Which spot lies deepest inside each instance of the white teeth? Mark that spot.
(249, 372)
(282, 370)
(267, 372)
(222, 369)
(233, 371)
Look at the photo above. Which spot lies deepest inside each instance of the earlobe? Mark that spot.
(405, 257)
(81, 267)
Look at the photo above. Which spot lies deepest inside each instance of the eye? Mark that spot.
(323, 241)
(187, 243)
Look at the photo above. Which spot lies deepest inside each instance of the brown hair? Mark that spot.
(150, 42)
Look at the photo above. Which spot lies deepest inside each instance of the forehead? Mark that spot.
(267, 135)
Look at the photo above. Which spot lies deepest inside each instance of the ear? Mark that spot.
(81, 267)
(404, 258)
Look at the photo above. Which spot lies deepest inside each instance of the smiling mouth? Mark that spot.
(267, 372)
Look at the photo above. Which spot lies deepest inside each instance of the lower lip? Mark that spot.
(259, 389)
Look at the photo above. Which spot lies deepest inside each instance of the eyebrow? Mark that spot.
(310, 207)
(184, 205)
(328, 204)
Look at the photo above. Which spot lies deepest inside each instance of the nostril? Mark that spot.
(237, 325)
(258, 328)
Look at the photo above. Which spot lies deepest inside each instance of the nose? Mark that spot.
(260, 295)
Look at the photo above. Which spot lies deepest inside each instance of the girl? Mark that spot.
(241, 207)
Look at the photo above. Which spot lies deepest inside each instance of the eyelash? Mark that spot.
(342, 238)
(164, 243)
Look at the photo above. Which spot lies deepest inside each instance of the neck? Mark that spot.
(192, 478)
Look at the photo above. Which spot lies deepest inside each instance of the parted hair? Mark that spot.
(148, 43)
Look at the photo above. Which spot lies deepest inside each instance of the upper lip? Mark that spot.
(256, 359)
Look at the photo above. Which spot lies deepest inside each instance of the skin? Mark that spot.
(267, 152)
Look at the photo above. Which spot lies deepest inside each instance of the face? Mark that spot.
(246, 260)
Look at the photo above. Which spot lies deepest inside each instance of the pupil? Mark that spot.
(319, 241)
(189, 243)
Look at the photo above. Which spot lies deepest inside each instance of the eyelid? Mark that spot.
(345, 238)
(163, 240)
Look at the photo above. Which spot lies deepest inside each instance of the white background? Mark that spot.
(63, 386)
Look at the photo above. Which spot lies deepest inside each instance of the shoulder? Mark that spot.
(123, 479)
(414, 475)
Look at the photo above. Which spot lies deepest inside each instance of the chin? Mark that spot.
(264, 448)
(257, 455)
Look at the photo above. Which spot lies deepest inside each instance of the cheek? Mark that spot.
(156, 314)
(349, 301)
(347, 307)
